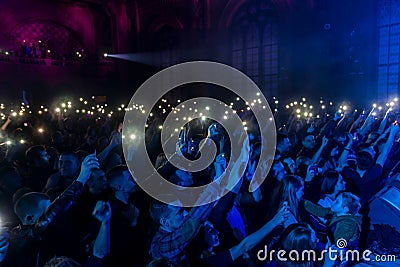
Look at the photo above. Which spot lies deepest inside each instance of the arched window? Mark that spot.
(252, 52)
(270, 52)
(237, 51)
(255, 44)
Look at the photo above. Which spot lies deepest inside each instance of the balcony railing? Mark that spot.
(53, 62)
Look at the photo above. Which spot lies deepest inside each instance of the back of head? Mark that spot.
(161, 263)
(117, 171)
(286, 191)
(28, 207)
(33, 155)
(61, 262)
(20, 192)
(289, 186)
(329, 181)
(299, 238)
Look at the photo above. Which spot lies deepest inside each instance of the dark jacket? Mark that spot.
(27, 243)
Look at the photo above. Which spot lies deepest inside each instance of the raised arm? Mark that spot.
(115, 141)
(6, 123)
(253, 239)
(102, 212)
(345, 153)
(70, 196)
(388, 145)
(317, 154)
(382, 126)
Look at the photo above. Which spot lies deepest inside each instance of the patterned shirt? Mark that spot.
(171, 245)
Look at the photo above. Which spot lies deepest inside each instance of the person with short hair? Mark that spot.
(176, 228)
(38, 167)
(37, 214)
(128, 224)
(68, 171)
(31, 206)
(343, 218)
(364, 181)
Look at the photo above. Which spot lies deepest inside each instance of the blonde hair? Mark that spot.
(351, 201)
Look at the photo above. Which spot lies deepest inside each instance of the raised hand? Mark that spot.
(102, 211)
(281, 216)
(220, 161)
(311, 172)
(324, 141)
(394, 129)
(116, 139)
(89, 163)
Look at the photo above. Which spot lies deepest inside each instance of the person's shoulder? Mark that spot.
(55, 176)
(325, 202)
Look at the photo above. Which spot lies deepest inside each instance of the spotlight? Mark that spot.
(105, 55)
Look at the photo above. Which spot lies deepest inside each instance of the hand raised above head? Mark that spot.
(88, 164)
(220, 161)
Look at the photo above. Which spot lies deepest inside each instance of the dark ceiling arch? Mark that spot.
(160, 22)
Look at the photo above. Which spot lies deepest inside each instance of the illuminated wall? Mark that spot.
(389, 48)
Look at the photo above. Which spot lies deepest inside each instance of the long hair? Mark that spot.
(297, 237)
(331, 177)
(287, 189)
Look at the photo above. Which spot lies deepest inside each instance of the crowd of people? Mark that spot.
(68, 198)
(39, 52)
